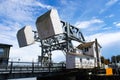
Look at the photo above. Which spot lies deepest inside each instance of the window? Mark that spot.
(88, 58)
(86, 49)
(1, 51)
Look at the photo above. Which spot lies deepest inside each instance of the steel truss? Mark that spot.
(60, 41)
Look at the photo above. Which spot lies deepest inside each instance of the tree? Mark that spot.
(115, 59)
(102, 59)
(107, 61)
(118, 58)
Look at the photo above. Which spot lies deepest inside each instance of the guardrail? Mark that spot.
(30, 67)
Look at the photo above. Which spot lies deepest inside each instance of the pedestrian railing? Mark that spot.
(27, 67)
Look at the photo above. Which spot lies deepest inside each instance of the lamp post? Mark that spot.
(116, 68)
(115, 62)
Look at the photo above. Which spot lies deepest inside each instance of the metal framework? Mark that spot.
(60, 41)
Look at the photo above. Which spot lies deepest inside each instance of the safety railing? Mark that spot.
(28, 67)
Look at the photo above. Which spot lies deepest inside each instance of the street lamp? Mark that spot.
(116, 68)
(115, 62)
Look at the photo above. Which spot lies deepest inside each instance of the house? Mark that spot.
(86, 55)
(74, 60)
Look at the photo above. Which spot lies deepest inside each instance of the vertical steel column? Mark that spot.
(41, 54)
(11, 67)
(32, 66)
(68, 34)
(50, 61)
(97, 53)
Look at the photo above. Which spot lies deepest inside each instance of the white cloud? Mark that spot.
(106, 39)
(108, 5)
(107, 28)
(28, 53)
(14, 15)
(86, 24)
(110, 16)
(44, 6)
(58, 56)
(4, 28)
(68, 9)
(8, 32)
(117, 24)
(21, 10)
(111, 2)
(14, 10)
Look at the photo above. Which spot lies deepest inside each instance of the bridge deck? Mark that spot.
(52, 72)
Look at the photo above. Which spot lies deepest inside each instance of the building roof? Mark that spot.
(85, 45)
(88, 44)
(5, 45)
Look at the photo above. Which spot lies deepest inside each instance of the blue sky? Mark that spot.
(97, 19)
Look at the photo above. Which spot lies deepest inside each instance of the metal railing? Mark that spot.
(30, 67)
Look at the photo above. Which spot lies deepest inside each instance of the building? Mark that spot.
(4, 54)
(74, 60)
(87, 55)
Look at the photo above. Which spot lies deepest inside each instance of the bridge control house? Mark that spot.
(87, 55)
(4, 54)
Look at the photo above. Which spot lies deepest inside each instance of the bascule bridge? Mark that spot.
(52, 33)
